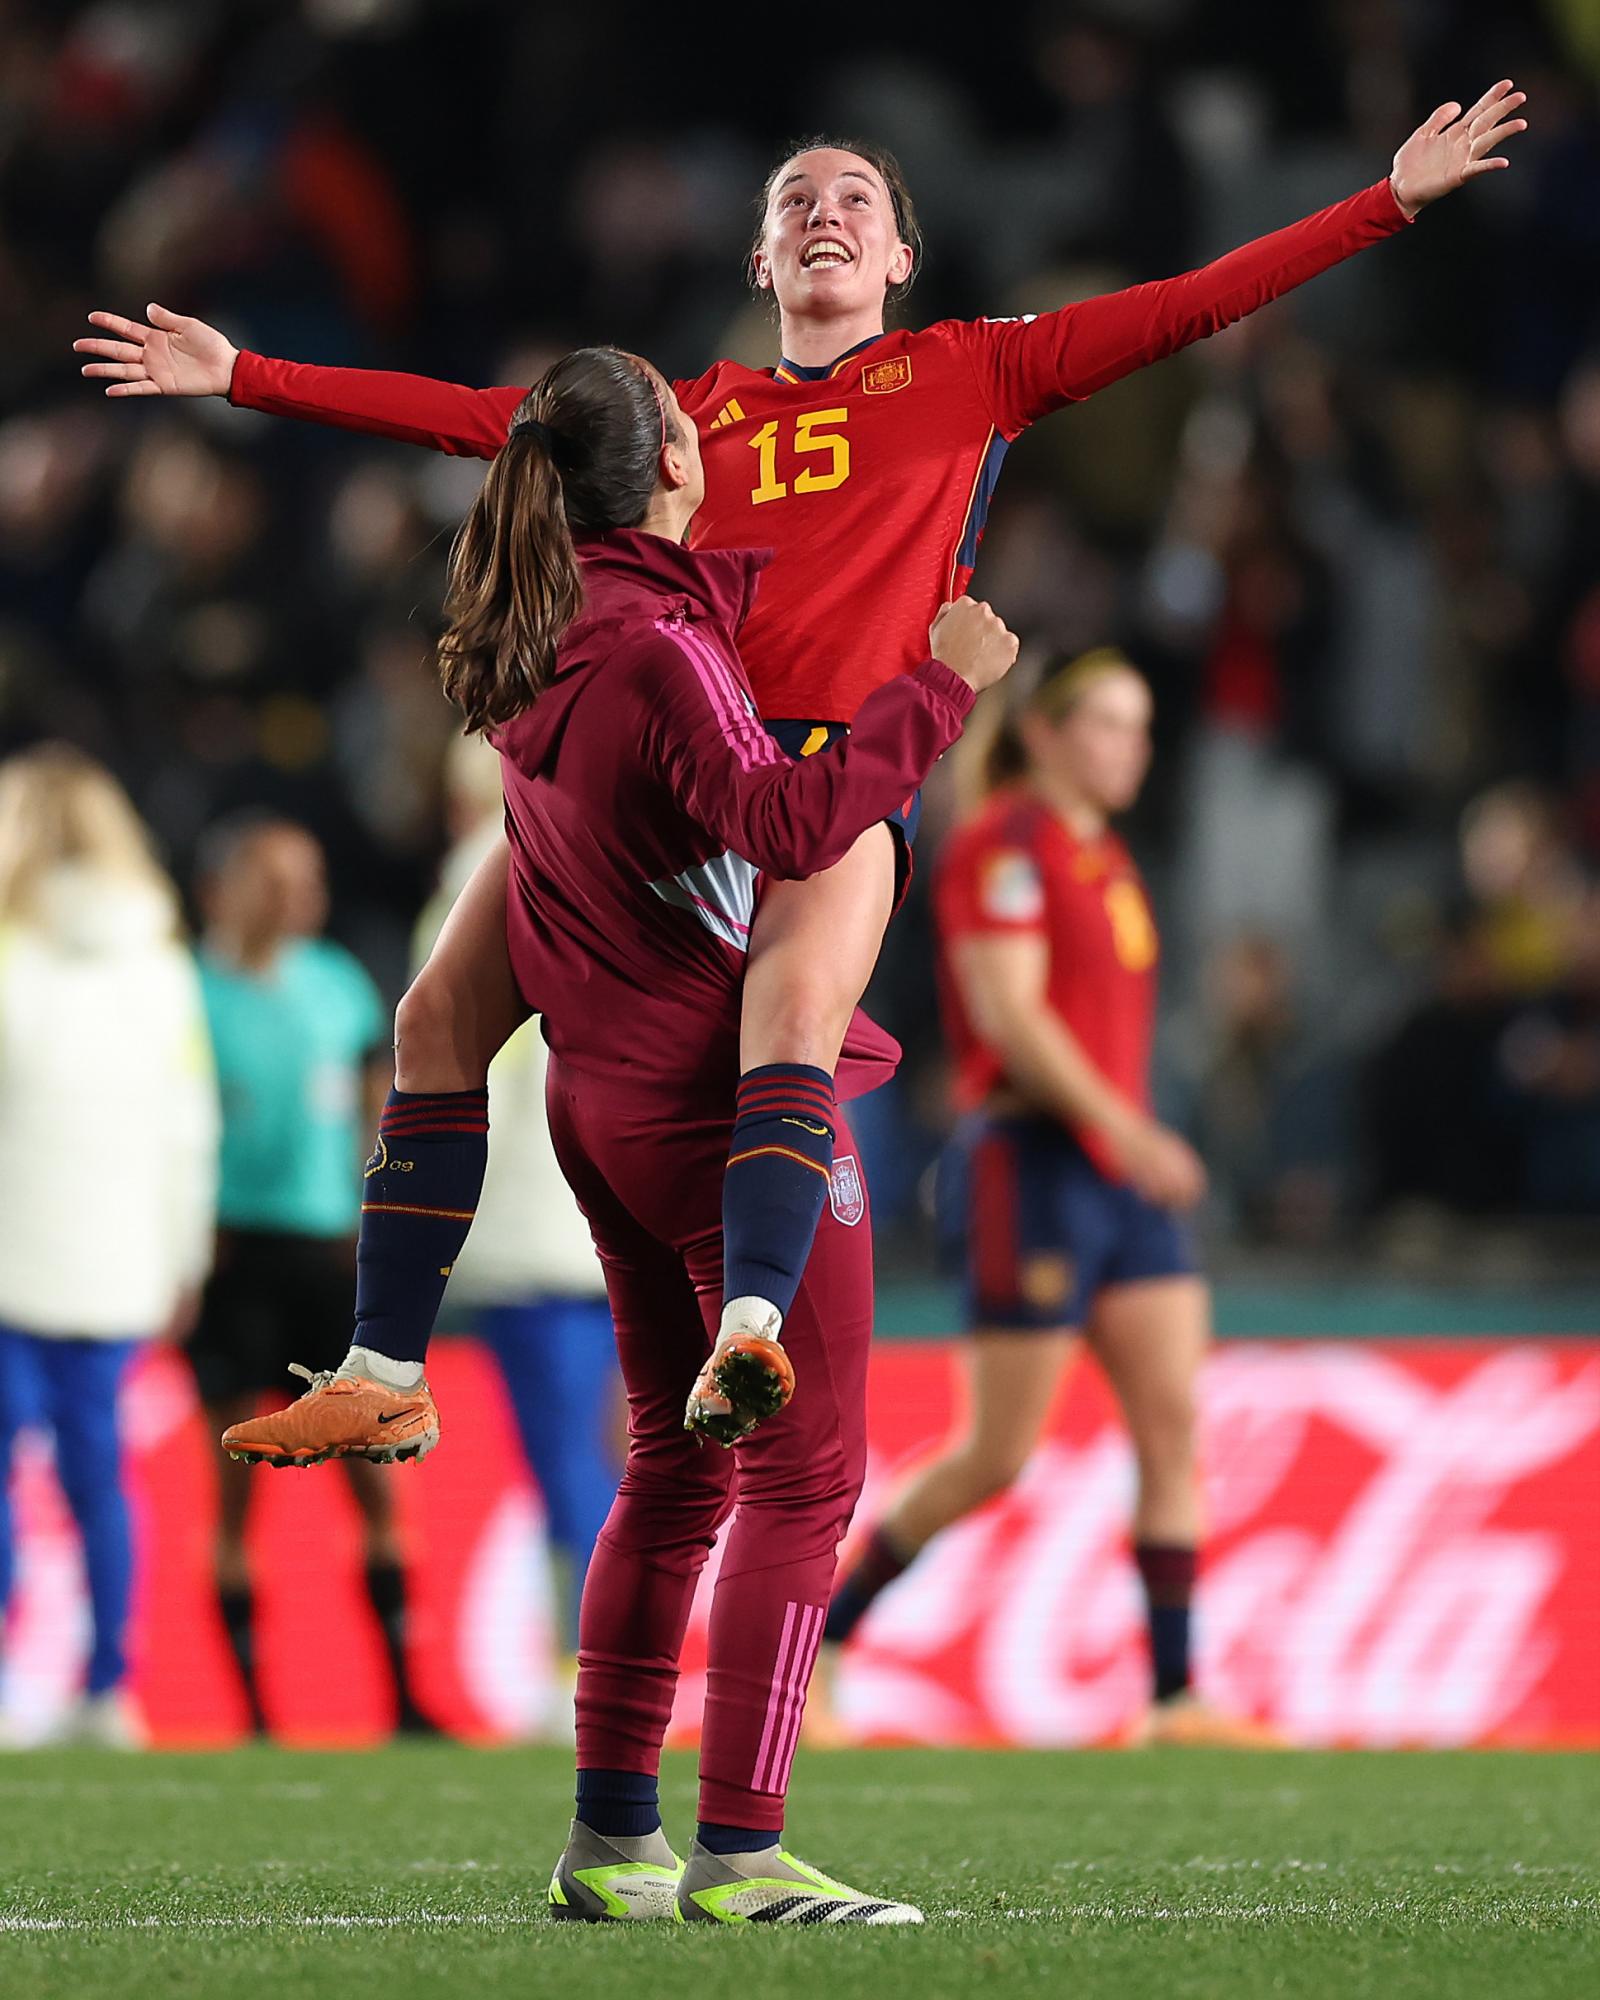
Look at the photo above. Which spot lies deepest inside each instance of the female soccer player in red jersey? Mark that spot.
(1073, 1191)
(642, 793)
(866, 461)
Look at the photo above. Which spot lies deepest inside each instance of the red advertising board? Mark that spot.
(1404, 1549)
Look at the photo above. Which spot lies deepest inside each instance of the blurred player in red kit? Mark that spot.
(866, 460)
(1073, 1193)
(644, 799)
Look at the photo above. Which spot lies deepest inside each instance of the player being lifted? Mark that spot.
(866, 460)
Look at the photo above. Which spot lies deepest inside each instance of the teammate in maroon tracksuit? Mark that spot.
(644, 803)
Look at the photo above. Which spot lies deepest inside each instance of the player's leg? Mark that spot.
(427, 1167)
(798, 1480)
(82, 1380)
(384, 1574)
(557, 1356)
(234, 1355)
(1011, 1381)
(1029, 1262)
(235, 1588)
(673, 1495)
(419, 1196)
(637, 1596)
(812, 950)
(1151, 1336)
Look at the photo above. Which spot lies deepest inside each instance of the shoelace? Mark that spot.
(318, 1378)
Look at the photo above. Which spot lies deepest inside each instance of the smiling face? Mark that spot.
(830, 244)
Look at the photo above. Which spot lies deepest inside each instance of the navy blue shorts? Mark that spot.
(805, 739)
(1045, 1230)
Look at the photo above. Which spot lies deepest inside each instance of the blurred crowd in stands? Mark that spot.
(1353, 541)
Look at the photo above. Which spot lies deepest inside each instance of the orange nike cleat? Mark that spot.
(1187, 1722)
(340, 1416)
(747, 1379)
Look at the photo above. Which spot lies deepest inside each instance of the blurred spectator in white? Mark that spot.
(108, 1159)
(528, 1281)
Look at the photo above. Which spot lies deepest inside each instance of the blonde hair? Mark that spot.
(1061, 685)
(58, 807)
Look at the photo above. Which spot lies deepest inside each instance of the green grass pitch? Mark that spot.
(421, 1871)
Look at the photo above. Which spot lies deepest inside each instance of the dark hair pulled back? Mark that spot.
(582, 453)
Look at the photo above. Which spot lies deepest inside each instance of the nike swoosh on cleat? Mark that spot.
(391, 1415)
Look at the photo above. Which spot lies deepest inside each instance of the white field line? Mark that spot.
(1336, 1914)
(419, 1920)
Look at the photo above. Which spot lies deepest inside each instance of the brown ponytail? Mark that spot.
(583, 451)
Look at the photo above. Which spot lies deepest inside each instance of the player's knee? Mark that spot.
(669, 1479)
(992, 1469)
(423, 1027)
(1164, 1431)
(802, 1020)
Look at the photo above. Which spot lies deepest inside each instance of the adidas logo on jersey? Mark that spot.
(730, 413)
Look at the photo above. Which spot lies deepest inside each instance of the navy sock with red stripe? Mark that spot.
(422, 1188)
(1168, 1572)
(777, 1179)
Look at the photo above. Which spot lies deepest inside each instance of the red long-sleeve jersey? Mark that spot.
(644, 797)
(1015, 869)
(869, 479)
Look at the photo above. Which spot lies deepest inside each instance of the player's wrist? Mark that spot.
(1407, 205)
(944, 679)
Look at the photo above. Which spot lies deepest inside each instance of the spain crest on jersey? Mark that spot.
(846, 1196)
(882, 378)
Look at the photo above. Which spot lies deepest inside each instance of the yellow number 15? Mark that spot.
(808, 436)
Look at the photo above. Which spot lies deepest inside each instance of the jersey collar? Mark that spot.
(791, 371)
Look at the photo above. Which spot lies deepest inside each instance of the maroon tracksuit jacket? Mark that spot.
(643, 801)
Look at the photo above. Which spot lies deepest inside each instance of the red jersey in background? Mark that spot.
(870, 479)
(1016, 868)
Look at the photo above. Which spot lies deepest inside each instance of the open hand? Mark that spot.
(1455, 146)
(170, 356)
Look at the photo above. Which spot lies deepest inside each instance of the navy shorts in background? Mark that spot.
(1046, 1230)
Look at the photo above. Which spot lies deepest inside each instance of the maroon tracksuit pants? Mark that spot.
(650, 1182)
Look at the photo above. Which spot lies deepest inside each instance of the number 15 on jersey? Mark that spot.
(811, 437)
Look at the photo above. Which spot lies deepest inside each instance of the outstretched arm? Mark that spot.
(1029, 367)
(170, 355)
